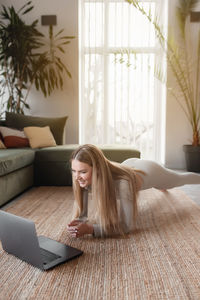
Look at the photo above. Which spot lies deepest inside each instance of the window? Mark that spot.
(120, 98)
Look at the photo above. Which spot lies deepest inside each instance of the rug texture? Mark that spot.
(161, 260)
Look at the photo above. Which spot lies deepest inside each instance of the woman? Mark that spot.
(114, 189)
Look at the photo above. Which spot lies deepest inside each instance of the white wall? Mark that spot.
(65, 102)
(178, 130)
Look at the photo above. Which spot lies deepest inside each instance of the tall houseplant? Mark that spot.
(185, 68)
(27, 58)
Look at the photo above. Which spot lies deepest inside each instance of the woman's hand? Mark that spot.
(77, 228)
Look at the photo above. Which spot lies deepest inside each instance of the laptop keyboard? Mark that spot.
(48, 256)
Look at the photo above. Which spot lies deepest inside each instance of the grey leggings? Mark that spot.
(159, 177)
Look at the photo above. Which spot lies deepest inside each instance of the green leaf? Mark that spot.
(61, 49)
(64, 43)
(59, 32)
(27, 10)
(25, 5)
(66, 37)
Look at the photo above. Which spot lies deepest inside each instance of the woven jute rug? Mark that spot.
(161, 260)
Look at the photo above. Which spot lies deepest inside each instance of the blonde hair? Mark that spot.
(104, 173)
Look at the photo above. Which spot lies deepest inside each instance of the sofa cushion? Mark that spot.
(39, 137)
(14, 183)
(14, 159)
(63, 152)
(52, 165)
(13, 138)
(59, 153)
(56, 125)
(119, 153)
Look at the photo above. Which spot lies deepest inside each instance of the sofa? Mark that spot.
(24, 167)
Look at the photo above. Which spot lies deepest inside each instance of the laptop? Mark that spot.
(19, 238)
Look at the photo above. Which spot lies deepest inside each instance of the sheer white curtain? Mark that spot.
(120, 99)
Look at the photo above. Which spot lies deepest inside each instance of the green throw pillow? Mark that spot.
(20, 121)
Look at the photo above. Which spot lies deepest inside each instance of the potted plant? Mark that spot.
(27, 58)
(185, 67)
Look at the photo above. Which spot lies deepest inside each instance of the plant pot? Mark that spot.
(192, 156)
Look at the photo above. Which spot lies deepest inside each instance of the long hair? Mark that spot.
(104, 174)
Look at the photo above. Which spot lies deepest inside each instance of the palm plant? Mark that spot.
(184, 65)
(27, 58)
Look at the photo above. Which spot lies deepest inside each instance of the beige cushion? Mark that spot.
(2, 146)
(39, 137)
